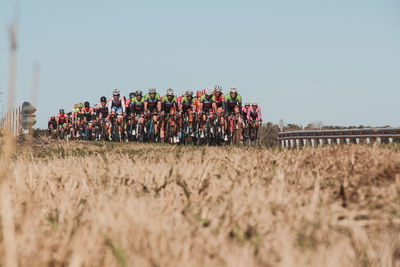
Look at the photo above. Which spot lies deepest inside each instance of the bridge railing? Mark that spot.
(342, 136)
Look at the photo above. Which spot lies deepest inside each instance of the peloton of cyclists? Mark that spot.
(138, 109)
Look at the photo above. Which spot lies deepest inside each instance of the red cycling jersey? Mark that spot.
(62, 118)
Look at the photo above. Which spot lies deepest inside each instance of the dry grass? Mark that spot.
(153, 205)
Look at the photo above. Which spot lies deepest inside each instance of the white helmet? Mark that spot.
(189, 93)
(209, 92)
(254, 104)
(170, 91)
(152, 90)
(218, 88)
(247, 104)
(233, 90)
(115, 92)
(184, 93)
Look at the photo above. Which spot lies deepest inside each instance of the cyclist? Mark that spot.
(128, 102)
(219, 103)
(233, 104)
(102, 113)
(243, 114)
(254, 114)
(199, 94)
(180, 97)
(117, 103)
(244, 111)
(87, 113)
(129, 112)
(137, 108)
(207, 107)
(52, 127)
(187, 106)
(78, 118)
(62, 122)
(152, 106)
(169, 104)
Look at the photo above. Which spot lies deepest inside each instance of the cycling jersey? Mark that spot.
(187, 104)
(231, 103)
(180, 100)
(244, 112)
(219, 101)
(62, 118)
(137, 106)
(117, 104)
(103, 110)
(152, 102)
(207, 103)
(87, 113)
(167, 104)
(128, 103)
(254, 114)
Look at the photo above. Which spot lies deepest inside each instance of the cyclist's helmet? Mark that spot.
(103, 99)
(184, 93)
(218, 88)
(170, 92)
(209, 92)
(247, 104)
(189, 93)
(254, 104)
(139, 92)
(87, 104)
(115, 92)
(80, 105)
(132, 95)
(233, 90)
(152, 90)
(61, 110)
(52, 118)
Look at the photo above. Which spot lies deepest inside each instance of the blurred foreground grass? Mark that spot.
(106, 204)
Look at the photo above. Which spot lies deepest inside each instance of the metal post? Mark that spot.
(321, 142)
(297, 143)
(313, 142)
(329, 141)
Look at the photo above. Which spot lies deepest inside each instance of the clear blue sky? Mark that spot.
(333, 61)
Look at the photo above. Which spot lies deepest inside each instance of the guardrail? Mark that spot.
(19, 120)
(12, 120)
(344, 136)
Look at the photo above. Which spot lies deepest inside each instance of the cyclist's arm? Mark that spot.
(123, 105)
(109, 106)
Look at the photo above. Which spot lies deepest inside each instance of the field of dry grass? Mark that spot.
(154, 205)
